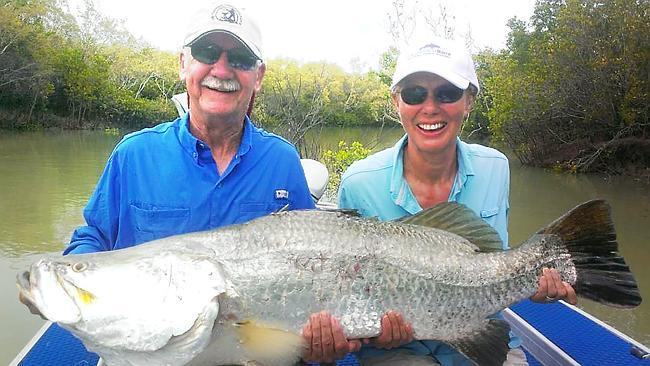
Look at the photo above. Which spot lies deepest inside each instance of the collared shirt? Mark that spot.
(163, 181)
(375, 187)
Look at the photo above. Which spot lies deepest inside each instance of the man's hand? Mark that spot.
(326, 340)
(552, 288)
(394, 331)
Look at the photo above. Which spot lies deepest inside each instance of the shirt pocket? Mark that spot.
(154, 223)
(485, 214)
(253, 210)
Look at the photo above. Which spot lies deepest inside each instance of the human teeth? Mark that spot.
(432, 127)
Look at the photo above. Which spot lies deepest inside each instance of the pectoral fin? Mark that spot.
(272, 344)
(487, 345)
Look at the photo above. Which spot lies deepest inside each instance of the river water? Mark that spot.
(46, 178)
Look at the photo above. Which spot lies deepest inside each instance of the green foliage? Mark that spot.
(296, 98)
(338, 161)
(387, 65)
(91, 75)
(113, 131)
(573, 89)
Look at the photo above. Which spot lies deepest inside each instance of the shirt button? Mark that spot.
(219, 185)
(195, 155)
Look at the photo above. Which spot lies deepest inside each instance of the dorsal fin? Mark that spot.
(460, 220)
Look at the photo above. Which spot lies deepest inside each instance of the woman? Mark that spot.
(434, 88)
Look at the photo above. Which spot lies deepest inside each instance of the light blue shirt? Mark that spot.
(163, 181)
(375, 187)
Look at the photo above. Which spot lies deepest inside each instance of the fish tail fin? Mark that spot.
(272, 344)
(588, 233)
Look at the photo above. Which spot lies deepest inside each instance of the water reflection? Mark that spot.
(46, 178)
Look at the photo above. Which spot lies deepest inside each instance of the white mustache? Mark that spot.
(220, 84)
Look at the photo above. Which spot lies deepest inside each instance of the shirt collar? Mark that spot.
(465, 169)
(401, 192)
(195, 146)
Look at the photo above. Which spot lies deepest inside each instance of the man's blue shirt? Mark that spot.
(163, 181)
(375, 187)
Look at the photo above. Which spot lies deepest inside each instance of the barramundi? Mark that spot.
(240, 295)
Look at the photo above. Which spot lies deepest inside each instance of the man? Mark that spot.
(208, 168)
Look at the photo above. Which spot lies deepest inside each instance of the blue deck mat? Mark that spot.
(350, 360)
(58, 347)
(563, 326)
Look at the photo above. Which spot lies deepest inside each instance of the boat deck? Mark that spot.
(552, 334)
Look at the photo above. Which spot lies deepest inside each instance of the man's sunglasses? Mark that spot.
(447, 93)
(238, 58)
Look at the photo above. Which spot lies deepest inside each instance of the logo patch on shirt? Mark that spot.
(281, 194)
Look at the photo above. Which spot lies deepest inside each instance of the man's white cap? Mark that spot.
(448, 59)
(229, 19)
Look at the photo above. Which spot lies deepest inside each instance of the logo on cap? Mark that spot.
(432, 49)
(226, 13)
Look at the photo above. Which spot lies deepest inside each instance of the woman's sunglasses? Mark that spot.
(447, 93)
(238, 58)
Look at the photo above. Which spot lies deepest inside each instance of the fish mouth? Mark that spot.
(25, 294)
(48, 294)
(22, 280)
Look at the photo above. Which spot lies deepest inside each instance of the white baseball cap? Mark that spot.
(445, 58)
(222, 17)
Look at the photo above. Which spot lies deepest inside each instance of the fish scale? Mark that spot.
(464, 285)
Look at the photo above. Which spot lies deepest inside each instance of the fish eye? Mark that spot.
(79, 267)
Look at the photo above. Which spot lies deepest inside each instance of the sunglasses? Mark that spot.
(238, 58)
(447, 93)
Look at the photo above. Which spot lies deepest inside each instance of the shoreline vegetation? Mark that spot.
(569, 92)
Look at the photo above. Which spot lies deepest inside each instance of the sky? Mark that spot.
(350, 33)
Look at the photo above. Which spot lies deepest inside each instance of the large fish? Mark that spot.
(241, 294)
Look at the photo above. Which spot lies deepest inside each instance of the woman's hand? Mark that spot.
(552, 288)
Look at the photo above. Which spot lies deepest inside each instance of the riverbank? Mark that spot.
(628, 158)
(24, 121)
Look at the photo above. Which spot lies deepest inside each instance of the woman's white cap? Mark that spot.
(448, 59)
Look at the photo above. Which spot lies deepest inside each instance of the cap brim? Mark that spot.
(247, 43)
(430, 65)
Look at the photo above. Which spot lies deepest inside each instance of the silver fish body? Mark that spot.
(243, 293)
